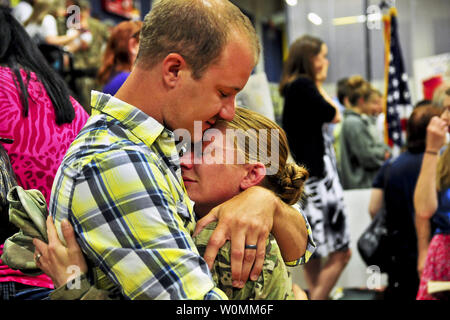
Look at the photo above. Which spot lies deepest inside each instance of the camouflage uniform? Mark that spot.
(91, 58)
(28, 212)
(274, 282)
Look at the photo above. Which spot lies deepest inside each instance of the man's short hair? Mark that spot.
(417, 126)
(198, 30)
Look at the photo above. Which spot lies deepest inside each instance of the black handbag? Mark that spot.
(7, 181)
(374, 243)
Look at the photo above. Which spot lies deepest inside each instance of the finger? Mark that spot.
(249, 260)
(69, 235)
(40, 246)
(237, 257)
(203, 222)
(216, 241)
(40, 249)
(51, 231)
(259, 259)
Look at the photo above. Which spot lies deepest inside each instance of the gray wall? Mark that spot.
(424, 30)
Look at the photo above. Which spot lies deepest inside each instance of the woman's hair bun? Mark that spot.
(356, 81)
(291, 182)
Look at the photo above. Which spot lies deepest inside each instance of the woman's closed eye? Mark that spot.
(224, 94)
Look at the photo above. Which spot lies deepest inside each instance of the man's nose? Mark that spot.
(228, 109)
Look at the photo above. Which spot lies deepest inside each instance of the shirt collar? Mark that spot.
(144, 127)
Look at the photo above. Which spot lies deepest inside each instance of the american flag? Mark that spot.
(398, 99)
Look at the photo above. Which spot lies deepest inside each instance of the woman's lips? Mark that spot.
(188, 180)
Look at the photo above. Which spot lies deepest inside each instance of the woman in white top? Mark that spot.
(22, 11)
(41, 25)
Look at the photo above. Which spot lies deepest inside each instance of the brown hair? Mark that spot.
(288, 182)
(416, 128)
(358, 88)
(299, 60)
(196, 29)
(117, 49)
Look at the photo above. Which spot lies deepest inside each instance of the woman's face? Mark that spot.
(211, 178)
(373, 105)
(320, 63)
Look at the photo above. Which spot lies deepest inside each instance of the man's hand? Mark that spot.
(55, 259)
(246, 219)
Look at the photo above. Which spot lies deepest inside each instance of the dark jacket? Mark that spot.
(305, 111)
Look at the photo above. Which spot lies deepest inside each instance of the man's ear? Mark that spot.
(172, 64)
(255, 174)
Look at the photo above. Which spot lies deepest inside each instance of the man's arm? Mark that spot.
(264, 212)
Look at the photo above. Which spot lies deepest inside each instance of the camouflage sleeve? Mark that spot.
(274, 282)
(79, 289)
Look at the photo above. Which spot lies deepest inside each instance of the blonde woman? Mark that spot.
(41, 26)
(211, 177)
(432, 203)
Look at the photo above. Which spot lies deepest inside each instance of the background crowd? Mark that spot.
(45, 93)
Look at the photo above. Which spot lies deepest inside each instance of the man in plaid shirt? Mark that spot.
(120, 183)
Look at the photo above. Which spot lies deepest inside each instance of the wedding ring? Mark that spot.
(251, 246)
(38, 256)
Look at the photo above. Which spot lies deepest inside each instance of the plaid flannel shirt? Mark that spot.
(120, 186)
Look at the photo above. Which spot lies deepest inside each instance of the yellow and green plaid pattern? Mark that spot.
(120, 186)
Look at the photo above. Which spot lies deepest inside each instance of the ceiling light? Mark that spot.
(291, 2)
(314, 18)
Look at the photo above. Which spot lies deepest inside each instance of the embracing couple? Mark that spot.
(130, 194)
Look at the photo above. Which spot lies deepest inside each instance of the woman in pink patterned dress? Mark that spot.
(38, 114)
(432, 206)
